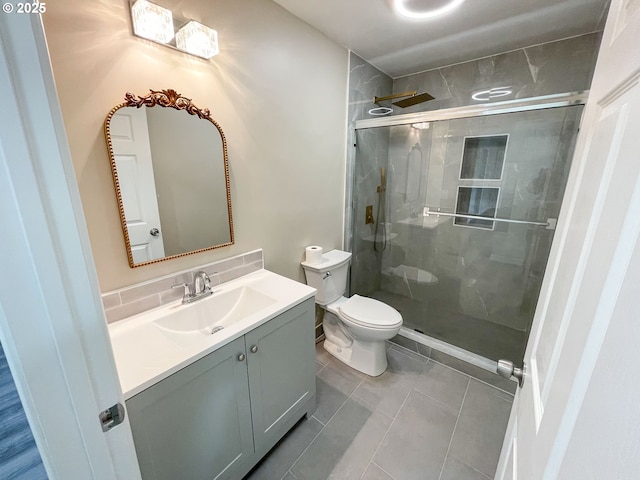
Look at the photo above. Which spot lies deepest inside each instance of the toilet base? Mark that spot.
(367, 357)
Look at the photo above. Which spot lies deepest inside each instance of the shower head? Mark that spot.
(414, 98)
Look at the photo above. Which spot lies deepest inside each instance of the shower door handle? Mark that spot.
(507, 369)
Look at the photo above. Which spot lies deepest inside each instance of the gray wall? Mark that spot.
(556, 67)
(365, 82)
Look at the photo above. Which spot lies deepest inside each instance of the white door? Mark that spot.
(52, 324)
(569, 420)
(132, 151)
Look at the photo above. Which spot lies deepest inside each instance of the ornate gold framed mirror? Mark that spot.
(171, 176)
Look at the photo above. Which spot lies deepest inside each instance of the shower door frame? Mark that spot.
(558, 100)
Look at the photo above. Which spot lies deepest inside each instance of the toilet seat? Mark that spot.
(370, 313)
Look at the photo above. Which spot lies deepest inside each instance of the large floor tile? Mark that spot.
(279, 460)
(374, 472)
(492, 378)
(417, 442)
(389, 390)
(322, 356)
(480, 431)
(454, 469)
(443, 384)
(334, 384)
(344, 448)
(341, 376)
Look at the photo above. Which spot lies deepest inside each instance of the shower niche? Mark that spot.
(483, 157)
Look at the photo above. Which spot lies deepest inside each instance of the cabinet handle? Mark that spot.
(241, 357)
(254, 348)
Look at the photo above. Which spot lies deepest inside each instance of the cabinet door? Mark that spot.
(195, 424)
(281, 371)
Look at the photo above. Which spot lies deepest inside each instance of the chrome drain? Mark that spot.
(216, 329)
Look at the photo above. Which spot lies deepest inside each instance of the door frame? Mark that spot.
(52, 323)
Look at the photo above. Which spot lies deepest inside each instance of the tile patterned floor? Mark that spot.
(418, 420)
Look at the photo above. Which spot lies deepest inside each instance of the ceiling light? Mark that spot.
(198, 39)
(401, 9)
(152, 22)
(496, 92)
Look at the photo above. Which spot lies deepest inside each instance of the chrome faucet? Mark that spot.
(200, 288)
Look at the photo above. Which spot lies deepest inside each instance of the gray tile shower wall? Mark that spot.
(128, 301)
(555, 67)
(365, 83)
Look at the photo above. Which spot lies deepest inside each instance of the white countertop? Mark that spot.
(146, 354)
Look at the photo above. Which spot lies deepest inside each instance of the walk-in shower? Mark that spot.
(472, 197)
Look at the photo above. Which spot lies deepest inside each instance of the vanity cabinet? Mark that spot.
(216, 418)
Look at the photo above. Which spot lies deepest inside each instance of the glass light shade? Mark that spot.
(400, 7)
(198, 39)
(152, 22)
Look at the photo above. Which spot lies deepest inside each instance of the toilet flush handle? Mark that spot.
(326, 275)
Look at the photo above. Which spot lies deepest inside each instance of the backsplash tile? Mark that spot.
(240, 271)
(142, 290)
(127, 310)
(128, 301)
(111, 300)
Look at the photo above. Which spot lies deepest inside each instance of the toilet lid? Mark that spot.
(370, 313)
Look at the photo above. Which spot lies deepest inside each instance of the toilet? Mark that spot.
(355, 328)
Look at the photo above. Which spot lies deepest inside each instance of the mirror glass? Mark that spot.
(171, 175)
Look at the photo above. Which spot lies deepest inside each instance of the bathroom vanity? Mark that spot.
(211, 405)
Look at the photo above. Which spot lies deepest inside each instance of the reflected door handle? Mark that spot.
(507, 369)
(154, 232)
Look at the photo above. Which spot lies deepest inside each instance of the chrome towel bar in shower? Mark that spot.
(550, 224)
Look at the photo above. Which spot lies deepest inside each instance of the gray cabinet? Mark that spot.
(217, 417)
(281, 361)
(195, 424)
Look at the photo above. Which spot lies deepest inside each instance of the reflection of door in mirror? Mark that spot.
(130, 137)
(169, 165)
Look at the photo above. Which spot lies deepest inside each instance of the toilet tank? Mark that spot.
(328, 277)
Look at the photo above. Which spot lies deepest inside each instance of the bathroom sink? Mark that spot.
(216, 312)
(154, 344)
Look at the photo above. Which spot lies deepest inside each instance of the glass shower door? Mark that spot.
(471, 275)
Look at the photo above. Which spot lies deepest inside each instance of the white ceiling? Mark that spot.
(478, 28)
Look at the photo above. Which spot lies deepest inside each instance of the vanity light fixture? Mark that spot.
(198, 39)
(159, 25)
(152, 22)
(401, 9)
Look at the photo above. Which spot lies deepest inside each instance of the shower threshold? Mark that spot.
(448, 349)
